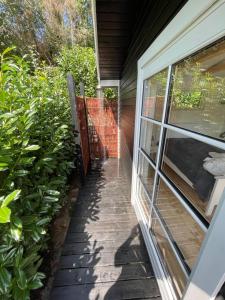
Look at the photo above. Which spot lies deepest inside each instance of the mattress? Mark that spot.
(188, 155)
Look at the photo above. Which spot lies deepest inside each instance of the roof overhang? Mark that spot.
(123, 26)
(112, 22)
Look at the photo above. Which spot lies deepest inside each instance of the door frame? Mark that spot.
(181, 38)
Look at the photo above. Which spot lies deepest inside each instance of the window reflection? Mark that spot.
(198, 93)
(182, 228)
(154, 95)
(149, 138)
(146, 173)
(169, 259)
(197, 169)
(144, 201)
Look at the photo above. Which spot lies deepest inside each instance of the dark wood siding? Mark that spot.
(151, 18)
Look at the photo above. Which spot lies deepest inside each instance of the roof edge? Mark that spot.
(94, 18)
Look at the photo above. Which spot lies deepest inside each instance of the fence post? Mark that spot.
(82, 89)
(82, 93)
(75, 123)
(73, 105)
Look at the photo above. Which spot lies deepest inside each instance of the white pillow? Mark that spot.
(215, 166)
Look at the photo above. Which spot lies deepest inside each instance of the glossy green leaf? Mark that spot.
(32, 148)
(12, 196)
(5, 214)
(21, 279)
(5, 280)
(36, 281)
(21, 173)
(8, 50)
(29, 260)
(27, 160)
(53, 192)
(19, 294)
(16, 233)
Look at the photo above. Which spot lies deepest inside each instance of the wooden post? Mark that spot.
(82, 93)
(72, 95)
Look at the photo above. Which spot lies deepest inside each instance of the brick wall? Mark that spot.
(102, 126)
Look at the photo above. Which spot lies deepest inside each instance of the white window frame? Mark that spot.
(197, 25)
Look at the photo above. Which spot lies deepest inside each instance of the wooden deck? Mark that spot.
(104, 255)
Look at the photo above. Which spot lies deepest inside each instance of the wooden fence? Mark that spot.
(103, 128)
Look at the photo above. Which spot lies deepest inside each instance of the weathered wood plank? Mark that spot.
(104, 226)
(103, 246)
(131, 289)
(104, 211)
(103, 274)
(100, 218)
(102, 204)
(80, 237)
(104, 259)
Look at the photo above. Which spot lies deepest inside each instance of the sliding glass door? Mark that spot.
(180, 157)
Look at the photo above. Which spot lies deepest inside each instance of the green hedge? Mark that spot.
(81, 62)
(36, 154)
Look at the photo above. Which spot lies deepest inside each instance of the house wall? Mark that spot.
(151, 19)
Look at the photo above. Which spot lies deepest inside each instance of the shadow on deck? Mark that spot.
(104, 256)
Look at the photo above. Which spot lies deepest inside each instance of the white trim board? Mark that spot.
(184, 34)
(109, 83)
(93, 6)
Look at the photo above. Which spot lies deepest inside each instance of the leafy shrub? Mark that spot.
(81, 62)
(36, 154)
(187, 100)
(110, 93)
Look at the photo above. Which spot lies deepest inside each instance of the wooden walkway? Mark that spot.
(104, 256)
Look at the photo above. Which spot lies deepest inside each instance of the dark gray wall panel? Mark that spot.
(150, 19)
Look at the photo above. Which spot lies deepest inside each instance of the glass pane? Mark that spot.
(177, 275)
(197, 169)
(146, 173)
(149, 138)
(154, 94)
(198, 93)
(143, 199)
(184, 231)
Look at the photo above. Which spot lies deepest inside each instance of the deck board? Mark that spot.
(104, 255)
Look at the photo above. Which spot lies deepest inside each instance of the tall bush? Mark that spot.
(36, 154)
(81, 62)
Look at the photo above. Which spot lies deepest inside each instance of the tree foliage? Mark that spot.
(192, 85)
(81, 62)
(45, 25)
(36, 156)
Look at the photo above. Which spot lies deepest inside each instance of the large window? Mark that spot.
(181, 173)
